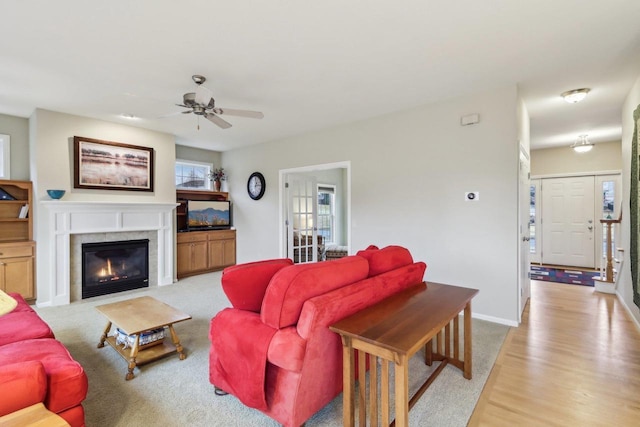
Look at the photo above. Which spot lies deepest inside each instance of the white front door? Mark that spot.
(568, 221)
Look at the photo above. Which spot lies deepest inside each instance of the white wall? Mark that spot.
(409, 173)
(625, 289)
(18, 129)
(51, 157)
(605, 156)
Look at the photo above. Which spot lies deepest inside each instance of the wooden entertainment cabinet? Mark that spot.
(202, 251)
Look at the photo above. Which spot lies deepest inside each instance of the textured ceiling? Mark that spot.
(312, 65)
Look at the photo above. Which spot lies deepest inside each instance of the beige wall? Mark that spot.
(409, 173)
(18, 129)
(606, 156)
(198, 155)
(51, 158)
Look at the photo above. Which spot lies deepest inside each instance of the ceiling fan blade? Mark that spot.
(217, 120)
(175, 114)
(203, 95)
(239, 113)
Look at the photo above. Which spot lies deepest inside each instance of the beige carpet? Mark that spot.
(171, 392)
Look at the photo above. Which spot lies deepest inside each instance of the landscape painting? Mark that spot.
(112, 165)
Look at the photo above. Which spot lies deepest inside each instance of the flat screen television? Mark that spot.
(208, 214)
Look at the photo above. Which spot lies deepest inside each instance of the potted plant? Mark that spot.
(217, 176)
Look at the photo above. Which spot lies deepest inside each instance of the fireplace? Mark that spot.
(110, 267)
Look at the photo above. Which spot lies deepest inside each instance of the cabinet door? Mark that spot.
(222, 253)
(16, 275)
(229, 252)
(216, 253)
(192, 256)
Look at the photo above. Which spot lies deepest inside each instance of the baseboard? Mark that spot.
(629, 311)
(604, 287)
(492, 319)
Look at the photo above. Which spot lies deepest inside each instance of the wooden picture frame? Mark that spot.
(108, 165)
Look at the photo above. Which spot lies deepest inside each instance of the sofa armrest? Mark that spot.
(245, 284)
(22, 384)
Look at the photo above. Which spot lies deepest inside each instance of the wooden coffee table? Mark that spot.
(138, 315)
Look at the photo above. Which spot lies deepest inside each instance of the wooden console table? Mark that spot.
(394, 330)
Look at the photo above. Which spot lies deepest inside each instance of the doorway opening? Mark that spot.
(567, 239)
(315, 211)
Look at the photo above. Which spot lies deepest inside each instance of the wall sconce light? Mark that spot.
(575, 95)
(582, 145)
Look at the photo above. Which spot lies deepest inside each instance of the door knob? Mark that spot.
(590, 228)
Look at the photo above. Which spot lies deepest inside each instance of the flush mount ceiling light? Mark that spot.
(582, 145)
(128, 116)
(575, 95)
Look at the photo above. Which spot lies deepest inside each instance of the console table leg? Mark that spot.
(348, 383)
(402, 390)
(467, 342)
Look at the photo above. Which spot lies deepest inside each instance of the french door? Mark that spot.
(301, 217)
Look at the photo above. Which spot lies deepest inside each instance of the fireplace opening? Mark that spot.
(110, 267)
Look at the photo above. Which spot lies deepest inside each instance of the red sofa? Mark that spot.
(35, 367)
(273, 350)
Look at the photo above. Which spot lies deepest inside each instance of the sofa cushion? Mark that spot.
(292, 286)
(22, 304)
(20, 325)
(66, 380)
(386, 259)
(245, 284)
(22, 384)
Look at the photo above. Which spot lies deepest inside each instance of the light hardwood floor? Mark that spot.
(574, 361)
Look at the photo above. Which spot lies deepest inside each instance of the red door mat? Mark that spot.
(563, 275)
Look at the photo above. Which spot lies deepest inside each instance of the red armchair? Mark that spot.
(281, 357)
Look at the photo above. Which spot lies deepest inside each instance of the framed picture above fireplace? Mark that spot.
(110, 165)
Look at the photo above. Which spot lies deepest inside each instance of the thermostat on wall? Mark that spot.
(472, 196)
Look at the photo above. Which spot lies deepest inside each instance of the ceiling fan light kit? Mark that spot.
(201, 103)
(582, 145)
(575, 95)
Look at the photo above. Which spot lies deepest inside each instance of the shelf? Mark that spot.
(14, 219)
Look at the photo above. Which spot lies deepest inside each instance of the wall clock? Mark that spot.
(256, 185)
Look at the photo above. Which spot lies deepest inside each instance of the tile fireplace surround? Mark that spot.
(66, 218)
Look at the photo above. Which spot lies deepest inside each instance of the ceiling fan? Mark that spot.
(201, 103)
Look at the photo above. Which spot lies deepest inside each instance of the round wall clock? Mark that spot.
(256, 185)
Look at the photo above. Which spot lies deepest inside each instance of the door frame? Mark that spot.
(283, 199)
(596, 175)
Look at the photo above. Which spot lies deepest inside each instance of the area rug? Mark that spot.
(174, 392)
(564, 275)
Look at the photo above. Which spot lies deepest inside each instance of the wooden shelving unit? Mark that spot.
(17, 248)
(183, 195)
(202, 251)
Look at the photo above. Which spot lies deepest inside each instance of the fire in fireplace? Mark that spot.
(110, 267)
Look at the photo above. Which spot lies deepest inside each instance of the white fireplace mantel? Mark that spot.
(76, 217)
